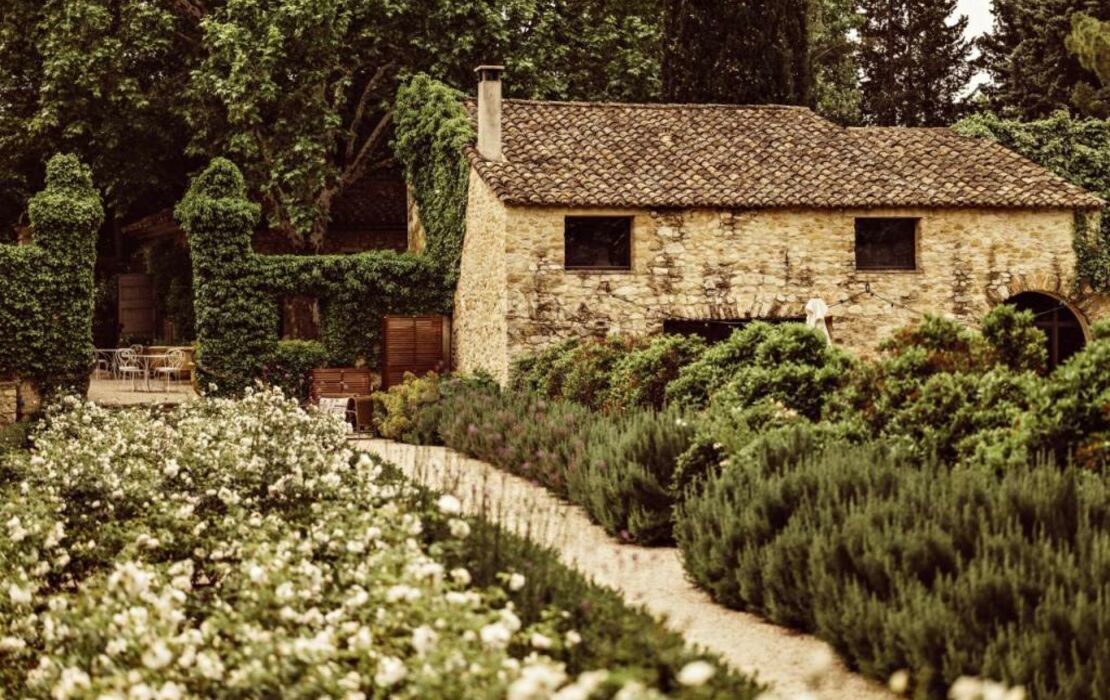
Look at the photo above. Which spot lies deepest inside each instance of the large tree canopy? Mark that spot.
(741, 52)
(1090, 42)
(100, 78)
(1033, 71)
(914, 61)
(298, 93)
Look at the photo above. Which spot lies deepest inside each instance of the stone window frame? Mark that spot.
(916, 248)
(628, 218)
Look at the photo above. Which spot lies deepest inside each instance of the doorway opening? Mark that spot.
(1064, 334)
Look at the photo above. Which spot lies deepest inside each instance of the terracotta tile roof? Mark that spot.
(762, 157)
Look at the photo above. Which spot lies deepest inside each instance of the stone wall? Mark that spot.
(480, 323)
(703, 264)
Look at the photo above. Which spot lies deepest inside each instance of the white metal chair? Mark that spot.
(129, 366)
(172, 366)
(101, 365)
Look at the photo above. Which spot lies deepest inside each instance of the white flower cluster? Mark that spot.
(241, 548)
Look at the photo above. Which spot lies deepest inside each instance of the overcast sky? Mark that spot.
(978, 14)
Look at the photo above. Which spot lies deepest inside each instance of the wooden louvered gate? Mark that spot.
(417, 344)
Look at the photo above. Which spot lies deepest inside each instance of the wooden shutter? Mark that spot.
(417, 344)
(136, 305)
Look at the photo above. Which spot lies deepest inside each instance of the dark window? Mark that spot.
(598, 242)
(886, 244)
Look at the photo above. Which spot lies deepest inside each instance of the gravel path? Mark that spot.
(790, 662)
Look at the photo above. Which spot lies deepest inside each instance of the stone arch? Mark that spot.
(1064, 324)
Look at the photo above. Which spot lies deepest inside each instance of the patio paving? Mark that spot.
(118, 392)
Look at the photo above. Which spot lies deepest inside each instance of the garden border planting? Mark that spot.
(789, 662)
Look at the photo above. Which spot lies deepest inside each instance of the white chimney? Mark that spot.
(489, 112)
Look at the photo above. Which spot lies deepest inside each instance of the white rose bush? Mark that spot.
(242, 549)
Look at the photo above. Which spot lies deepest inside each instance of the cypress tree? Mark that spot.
(915, 63)
(741, 52)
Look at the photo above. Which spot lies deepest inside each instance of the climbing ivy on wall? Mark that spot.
(237, 293)
(432, 130)
(46, 289)
(1077, 150)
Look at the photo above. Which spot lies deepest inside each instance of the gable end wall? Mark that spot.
(480, 326)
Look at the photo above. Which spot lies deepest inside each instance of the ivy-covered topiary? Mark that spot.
(46, 289)
(236, 321)
(237, 292)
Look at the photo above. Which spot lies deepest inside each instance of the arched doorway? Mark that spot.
(1064, 330)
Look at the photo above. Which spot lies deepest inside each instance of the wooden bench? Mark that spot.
(352, 383)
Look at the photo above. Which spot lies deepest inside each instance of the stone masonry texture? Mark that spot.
(515, 296)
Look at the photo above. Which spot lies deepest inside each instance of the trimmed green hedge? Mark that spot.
(238, 292)
(46, 289)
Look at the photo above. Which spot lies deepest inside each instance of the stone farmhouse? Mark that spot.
(596, 218)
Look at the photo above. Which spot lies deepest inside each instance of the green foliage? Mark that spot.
(771, 66)
(1073, 417)
(171, 272)
(958, 416)
(834, 50)
(46, 290)
(618, 467)
(914, 62)
(15, 436)
(396, 410)
(947, 390)
(1077, 150)
(1100, 330)
(535, 372)
(1090, 42)
(101, 79)
(432, 128)
(787, 362)
(623, 476)
(523, 434)
(584, 373)
(236, 321)
(731, 436)
(613, 635)
(1033, 72)
(237, 292)
(944, 572)
(290, 365)
(301, 94)
(1016, 342)
(640, 377)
